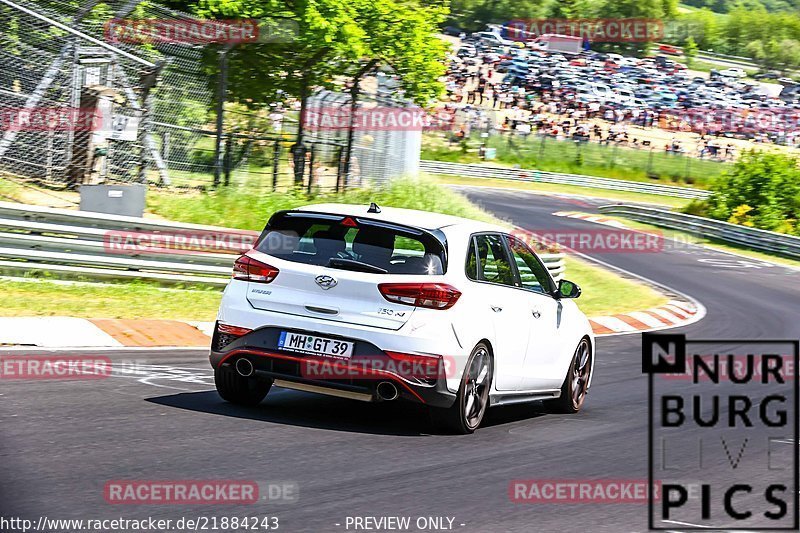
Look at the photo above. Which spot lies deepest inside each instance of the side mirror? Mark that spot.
(568, 289)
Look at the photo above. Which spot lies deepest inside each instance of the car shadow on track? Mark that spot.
(313, 411)
(508, 414)
(325, 412)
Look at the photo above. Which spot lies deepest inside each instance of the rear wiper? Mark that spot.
(357, 266)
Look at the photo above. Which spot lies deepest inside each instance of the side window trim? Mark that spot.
(504, 238)
(550, 281)
(473, 244)
(512, 260)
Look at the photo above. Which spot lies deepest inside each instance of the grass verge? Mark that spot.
(592, 159)
(606, 293)
(112, 300)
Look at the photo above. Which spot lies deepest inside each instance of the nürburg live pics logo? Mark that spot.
(722, 433)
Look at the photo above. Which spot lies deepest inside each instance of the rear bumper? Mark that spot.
(358, 377)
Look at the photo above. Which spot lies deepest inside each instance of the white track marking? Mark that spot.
(614, 324)
(675, 310)
(650, 320)
(666, 315)
(56, 331)
(689, 308)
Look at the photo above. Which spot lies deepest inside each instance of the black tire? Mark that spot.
(472, 400)
(574, 388)
(238, 389)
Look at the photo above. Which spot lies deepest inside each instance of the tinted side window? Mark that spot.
(533, 274)
(487, 260)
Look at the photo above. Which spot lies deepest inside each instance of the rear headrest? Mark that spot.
(328, 244)
(428, 264)
(367, 239)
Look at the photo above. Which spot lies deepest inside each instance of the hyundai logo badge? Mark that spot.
(326, 282)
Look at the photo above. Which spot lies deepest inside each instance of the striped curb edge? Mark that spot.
(670, 315)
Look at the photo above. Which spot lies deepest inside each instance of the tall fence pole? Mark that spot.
(222, 89)
(311, 164)
(352, 125)
(228, 158)
(276, 159)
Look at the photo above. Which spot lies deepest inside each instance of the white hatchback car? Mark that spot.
(379, 304)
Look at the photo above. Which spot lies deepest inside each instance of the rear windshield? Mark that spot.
(352, 243)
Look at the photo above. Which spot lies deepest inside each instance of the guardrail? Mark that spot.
(81, 244)
(756, 239)
(471, 170)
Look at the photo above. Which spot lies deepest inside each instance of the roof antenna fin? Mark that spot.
(373, 208)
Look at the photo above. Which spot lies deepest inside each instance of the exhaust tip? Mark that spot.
(244, 367)
(387, 391)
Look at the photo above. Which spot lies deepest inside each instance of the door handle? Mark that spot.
(496, 309)
(536, 313)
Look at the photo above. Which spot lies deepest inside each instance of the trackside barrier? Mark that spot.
(75, 244)
(471, 170)
(756, 239)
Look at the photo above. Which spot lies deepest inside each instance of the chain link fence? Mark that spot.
(47, 76)
(165, 101)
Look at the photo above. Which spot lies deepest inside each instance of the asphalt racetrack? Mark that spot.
(159, 418)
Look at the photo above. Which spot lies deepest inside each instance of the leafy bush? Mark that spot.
(249, 208)
(762, 190)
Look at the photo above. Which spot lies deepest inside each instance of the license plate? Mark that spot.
(309, 344)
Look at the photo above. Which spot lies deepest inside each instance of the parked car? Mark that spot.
(454, 31)
(669, 49)
(492, 38)
(733, 72)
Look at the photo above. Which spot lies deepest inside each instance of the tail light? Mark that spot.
(428, 295)
(226, 334)
(236, 331)
(248, 269)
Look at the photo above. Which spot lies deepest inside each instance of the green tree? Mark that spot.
(473, 15)
(690, 50)
(755, 50)
(326, 41)
(762, 189)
